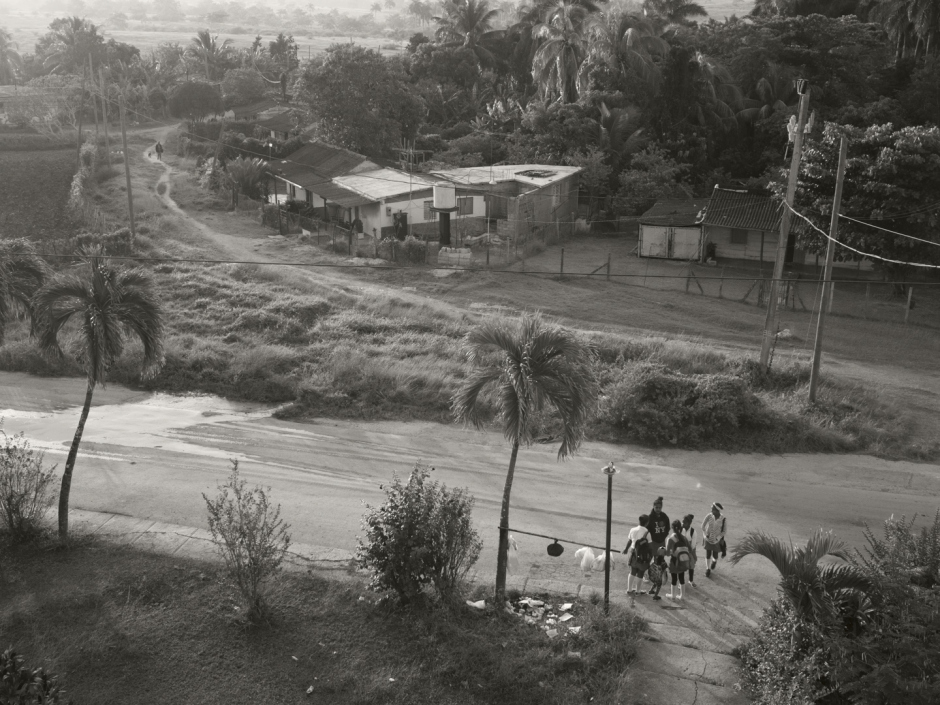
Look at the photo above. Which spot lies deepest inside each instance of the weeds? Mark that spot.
(25, 487)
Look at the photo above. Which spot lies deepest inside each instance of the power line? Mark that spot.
(893, 232)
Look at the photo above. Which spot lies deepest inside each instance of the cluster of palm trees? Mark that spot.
(96, 305)
(913, 25)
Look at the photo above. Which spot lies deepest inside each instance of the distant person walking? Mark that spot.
(689, 533)
(713, 534)
(639, 553)
(159, 150)
(680, 558)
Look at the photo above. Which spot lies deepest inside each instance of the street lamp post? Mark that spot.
(610, 471)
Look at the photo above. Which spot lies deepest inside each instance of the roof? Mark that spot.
(282, 122)
(739, 209)
(259, 106)
(380, 184)
(675, 211)
(537, 175)
(314, 167)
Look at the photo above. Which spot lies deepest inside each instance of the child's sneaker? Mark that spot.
(708, 572)
(691, 584)
(657, 597)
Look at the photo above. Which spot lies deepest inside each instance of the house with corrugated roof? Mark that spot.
(672, 229)
(743, 226)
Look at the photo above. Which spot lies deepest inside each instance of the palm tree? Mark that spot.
(108, 304)
(74, 40)
(207, 49)
(469, 23)
(626, 43)
(22, 273)
(716, 97)
(557, 63)
(815, 592)
(526, 365)
(10, 59)
(774, 91)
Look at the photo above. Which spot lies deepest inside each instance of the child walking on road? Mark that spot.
(655, 573)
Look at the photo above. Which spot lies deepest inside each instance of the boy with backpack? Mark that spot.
(639, 553)
(656, 571)
(713, 535)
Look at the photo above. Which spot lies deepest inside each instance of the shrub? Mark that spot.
(117, 244)
(19, 684)
(250, 536)
(422, 535)
(24, 487)
(655, 405)
(413, 250)
(904, 551)
(777, 669)
(105, 172)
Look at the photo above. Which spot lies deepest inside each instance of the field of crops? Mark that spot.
(34, 189)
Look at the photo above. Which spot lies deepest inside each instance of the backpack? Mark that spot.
(642, 549)
(682, 557)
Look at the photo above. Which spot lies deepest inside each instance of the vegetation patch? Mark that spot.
(34, 192)
(119, 625)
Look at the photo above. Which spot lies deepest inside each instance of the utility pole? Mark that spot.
(104, 111)
(827, 273)
(770, 322)
(81, 113)
(127, 171)
(94, 102)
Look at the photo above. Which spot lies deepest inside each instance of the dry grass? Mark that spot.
(124, 626)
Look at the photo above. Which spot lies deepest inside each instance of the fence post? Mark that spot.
(487, 252)
(868, 291)
(608, 266)
(561, 270)
(333, 239)
(721, 283)
(349, 250)
(832, 293)
(910, 297)
(688, 278)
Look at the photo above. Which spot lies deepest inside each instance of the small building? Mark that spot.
(671, 229)
(279, 125)
(743, 226)
(258, 110)
(307, 175)
(520, 198)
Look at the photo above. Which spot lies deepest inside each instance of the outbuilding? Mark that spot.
(671, 229)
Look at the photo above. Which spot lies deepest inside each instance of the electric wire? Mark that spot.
(893, 232)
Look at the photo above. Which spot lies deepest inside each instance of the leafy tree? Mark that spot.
(922, 97)
(195, 100)
(818, 593)
(550, 133)
(892, 180)
(792, 8)
(674, 12)
(595, 177)
(527, 366)
(54, 105)
(242, 86)
(653, 175)
(247, 175)
(284, 51)
(10, 60)
(358, 99)
(107, 303)
(628, 46)
(22, 273)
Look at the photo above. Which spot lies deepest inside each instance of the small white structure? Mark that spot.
(670, 230)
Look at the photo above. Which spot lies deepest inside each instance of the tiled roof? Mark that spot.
(739, 209)
(676, 211)
(259, 106)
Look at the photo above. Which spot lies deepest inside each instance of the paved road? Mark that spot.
(152, 456)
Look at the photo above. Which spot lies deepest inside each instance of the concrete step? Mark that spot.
(695, 638)
(652, 688)
(689, 664)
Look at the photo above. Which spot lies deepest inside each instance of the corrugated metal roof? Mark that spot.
(536, 175)
(676, 211)
(380, 184)
(258, 106)
(739, 209)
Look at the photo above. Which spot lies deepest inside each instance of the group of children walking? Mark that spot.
(654, 540)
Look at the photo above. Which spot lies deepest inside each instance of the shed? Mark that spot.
(671, 229)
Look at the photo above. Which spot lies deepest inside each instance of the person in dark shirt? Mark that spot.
(658, 525)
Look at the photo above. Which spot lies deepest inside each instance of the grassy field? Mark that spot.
(34, 190)
(122, 626)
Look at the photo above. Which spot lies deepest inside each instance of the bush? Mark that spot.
(422, 535)
(777, 669)
(655, 405)
(120, 243)
(905, 552)
(251, 537)
(414, 250)
(21, 685)
(24, 487)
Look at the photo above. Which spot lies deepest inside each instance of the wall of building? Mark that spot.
(751, 250)
(553, 208)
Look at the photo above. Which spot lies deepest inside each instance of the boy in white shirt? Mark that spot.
(638, 561)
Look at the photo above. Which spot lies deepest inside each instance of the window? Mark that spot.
(428, 213)
(738, 236)
(465, 206)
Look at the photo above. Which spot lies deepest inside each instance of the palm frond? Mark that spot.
(55, 304)
(758, 543)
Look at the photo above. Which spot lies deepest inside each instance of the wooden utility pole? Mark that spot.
(127, 172)
(827, 272)
(81, 113)
(104, 113)
(94, 102)
(770, 322)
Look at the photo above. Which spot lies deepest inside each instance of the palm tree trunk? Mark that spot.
(70, 464)
(502, 557)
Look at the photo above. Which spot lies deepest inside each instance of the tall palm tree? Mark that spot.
(108, 304)
(469, 23)
(816, 592)
(527, 365)
(626, 43)
(717, 98)
(557, 63)
(10, 60)
(773, 91)
(206, 48)
(74, 39)
(22, 273)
